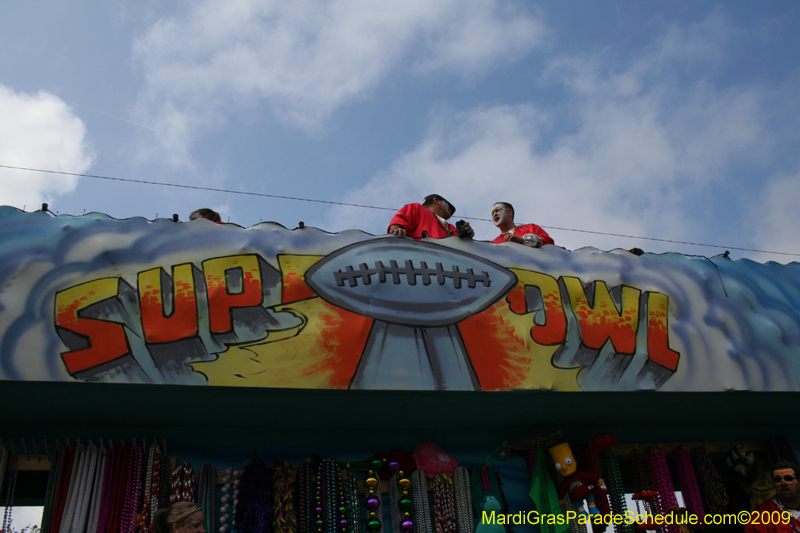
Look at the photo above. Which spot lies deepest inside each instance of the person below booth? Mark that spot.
(527, 234)
(787, 499)
(428, 219)
(181, 517)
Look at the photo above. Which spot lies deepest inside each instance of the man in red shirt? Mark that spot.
(528, 234)
(772, 517)
(428, 219)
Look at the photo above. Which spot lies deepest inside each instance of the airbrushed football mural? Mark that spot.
(91, 298)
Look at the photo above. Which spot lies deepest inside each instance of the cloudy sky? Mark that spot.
(676, 121)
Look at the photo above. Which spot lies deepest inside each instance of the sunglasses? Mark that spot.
(788, 478)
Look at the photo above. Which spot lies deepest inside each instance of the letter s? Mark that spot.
(106, 340)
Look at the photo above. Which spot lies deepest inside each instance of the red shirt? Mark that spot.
(416, 218)
(519, 231)
(766, 520)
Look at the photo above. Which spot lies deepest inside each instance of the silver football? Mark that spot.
(402, 281)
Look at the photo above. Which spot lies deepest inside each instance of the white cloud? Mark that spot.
(647, 155)
(627, 170)
(468, 37)
(306, 58)
(39, 131)
(486, 155)
(777, 219)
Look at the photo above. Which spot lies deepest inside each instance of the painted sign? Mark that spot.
(96, 299)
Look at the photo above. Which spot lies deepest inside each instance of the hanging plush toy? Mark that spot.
(576, 485)
(740, 459)
(487, 497)
(431, 460)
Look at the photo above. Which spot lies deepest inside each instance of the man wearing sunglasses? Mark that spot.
(787, 498)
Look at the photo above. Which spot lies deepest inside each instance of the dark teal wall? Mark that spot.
(294, 421)
(230, 424)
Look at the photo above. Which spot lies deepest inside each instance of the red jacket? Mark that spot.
(519, 231)
(416, 218)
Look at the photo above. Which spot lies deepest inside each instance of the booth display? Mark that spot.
(115, 488)
(320, 351)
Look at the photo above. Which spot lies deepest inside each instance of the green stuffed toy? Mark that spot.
(486, 496)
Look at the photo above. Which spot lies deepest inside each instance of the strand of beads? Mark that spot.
(121, 475)
(576, 526)
(444, 506)
(4, 456)
(205, 494)
(373, 497)
(137, 486)
(12, 487)
(330, 496)
(616, 491)
(406, 503)
(151, 485)
(341, 499)
(126, 481)
(130, 505)
(714, 492)
(230, 490)
(353, 511)
(253, 498)
(164, 484)
(422, 514)
(643, 485)
(463, 494)
(148, 480)
(155, 484)
(188, 494)
(174, 487)
(284, 519)
(662, 482)
(394, 503)
(182, 484)
(320, 508)
(688, 482)
(306, 496)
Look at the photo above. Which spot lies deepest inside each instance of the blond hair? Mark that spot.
(178, 513)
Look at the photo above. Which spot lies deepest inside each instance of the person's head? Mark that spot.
(181, 517)
(784, 475)
(503, 215)
(209, 214)
(439, 206)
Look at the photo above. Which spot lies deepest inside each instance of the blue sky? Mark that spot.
(668, 120)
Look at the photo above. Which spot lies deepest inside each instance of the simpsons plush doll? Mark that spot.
(576, 485)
